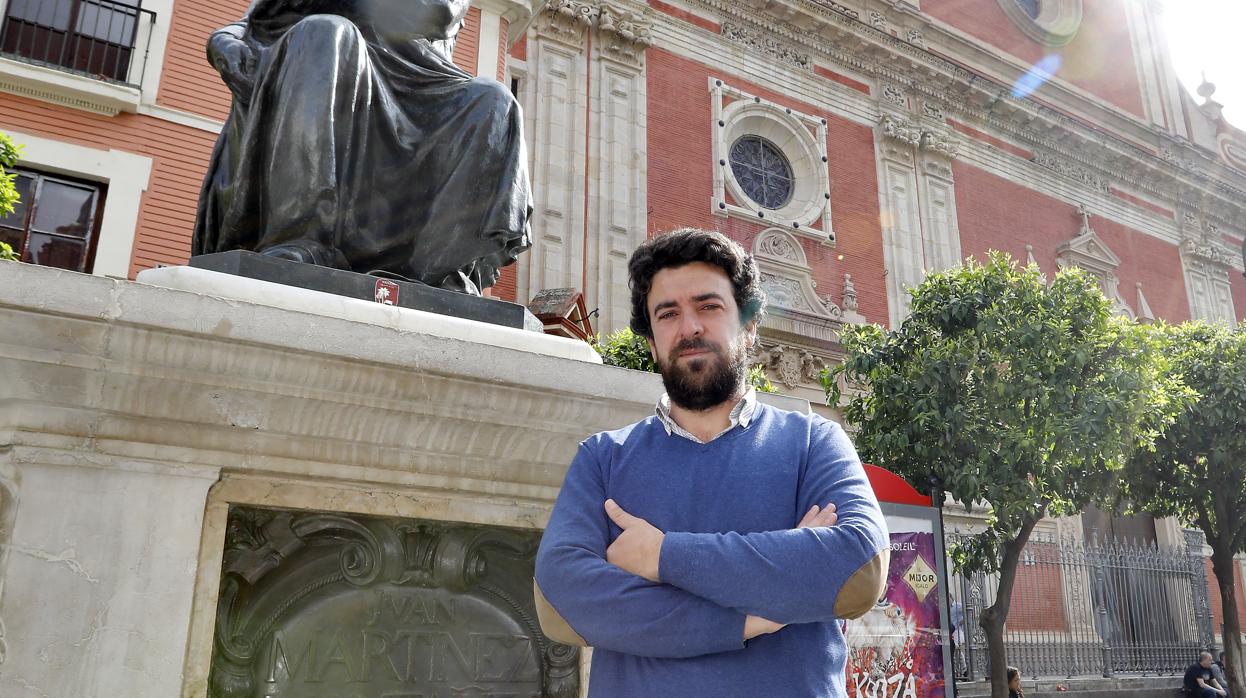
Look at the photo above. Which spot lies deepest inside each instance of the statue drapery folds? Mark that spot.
(353, 142)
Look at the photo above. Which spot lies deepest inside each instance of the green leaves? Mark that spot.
(1196, 469)
(1024, 396)
(9, 154)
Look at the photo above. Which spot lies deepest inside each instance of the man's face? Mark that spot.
(698, 343)
(1205, 661)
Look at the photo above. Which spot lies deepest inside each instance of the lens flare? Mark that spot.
(1036, 76)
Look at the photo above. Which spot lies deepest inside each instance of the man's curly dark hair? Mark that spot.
(684, 246)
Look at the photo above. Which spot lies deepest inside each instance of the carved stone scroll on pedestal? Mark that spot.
(325, 604)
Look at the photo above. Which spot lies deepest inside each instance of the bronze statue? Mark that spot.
(353, 142)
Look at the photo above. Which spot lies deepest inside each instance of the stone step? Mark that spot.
(1085, 687)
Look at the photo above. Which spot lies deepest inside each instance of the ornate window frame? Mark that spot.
(801, 138)
(1057, 22)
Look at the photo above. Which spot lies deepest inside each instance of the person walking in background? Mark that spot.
(1199, 681)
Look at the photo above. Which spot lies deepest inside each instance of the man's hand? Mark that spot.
(638, 548)
(819, 517)
(756, 625)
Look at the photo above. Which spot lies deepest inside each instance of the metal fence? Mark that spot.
(1094, 608)
(103, 39)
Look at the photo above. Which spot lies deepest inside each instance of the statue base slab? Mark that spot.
(403, 294)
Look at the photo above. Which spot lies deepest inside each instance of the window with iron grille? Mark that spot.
(91, 37)
(56, 223)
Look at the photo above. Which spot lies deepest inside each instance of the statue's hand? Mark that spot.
(235, 60)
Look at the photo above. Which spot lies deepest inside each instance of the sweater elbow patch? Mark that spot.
(863, 589)
(553, 624)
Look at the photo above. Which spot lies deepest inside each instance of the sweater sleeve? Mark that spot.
(583, 599)
(799, 575)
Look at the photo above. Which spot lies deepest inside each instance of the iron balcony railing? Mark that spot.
(102, 39)
(1097, 608)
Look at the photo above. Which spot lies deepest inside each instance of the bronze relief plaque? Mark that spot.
(317, 605)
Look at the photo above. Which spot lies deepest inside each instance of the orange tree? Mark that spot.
(1006, 390)
(1197, 469)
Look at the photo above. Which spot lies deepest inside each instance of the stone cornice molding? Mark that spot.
(841, 37)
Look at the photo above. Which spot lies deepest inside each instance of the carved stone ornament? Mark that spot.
(792, 365)
(895, 129)
(878, 20)
(760, 42)
(1087, 251)
(787, 278)
(625, 34)
(567, 19)
(334, 604)
(936, 142)
(1070, 170)
(1201, 241)
(894, 95)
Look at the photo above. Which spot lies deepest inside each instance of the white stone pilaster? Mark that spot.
(555, 107)
(917, 202)
(901, 214)
(618, 210)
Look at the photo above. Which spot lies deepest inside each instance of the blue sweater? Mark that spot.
(728, 509)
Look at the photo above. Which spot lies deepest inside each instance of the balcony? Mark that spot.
(91, 54)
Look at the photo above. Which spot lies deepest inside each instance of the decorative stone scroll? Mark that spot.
(337, 604)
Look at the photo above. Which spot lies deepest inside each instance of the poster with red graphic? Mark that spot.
(896, 650)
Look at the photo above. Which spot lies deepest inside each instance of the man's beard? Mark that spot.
(704, 381)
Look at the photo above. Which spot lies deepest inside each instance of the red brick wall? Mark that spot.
(179, 159)
(1237, 284)
(995, 213)
(466, 47)
(1154, 262)
(187, 81)
(1100, 59)
(680, 178)
(1216, 601)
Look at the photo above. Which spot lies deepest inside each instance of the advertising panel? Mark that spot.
(899, 649)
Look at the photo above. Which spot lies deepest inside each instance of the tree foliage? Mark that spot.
(1197, 468)
(8, 190)
(1025, 396)
(626, 349)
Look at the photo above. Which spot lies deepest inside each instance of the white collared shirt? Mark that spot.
(741, 415)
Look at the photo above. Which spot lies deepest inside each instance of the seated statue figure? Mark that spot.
(353, 142)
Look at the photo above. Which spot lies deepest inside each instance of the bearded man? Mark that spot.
(712, 548)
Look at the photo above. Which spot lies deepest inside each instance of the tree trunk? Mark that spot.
(1222, 563)
(994, 616)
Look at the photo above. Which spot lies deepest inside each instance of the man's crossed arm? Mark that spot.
(639, 549)
(716, 590)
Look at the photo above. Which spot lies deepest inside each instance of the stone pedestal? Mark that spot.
(136, 420)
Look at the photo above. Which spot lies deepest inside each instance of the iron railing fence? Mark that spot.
(102, 39)
(1095, 608)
